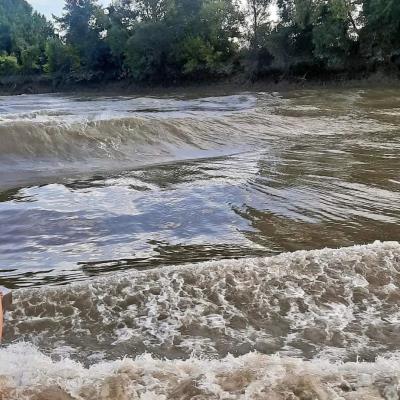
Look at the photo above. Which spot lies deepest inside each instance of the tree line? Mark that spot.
(167, 41)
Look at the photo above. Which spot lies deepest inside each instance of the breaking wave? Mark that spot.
(31, 152)
(25, 373)
(319, 324)
(119, 139)
(55, 136)
(337, 304)
(48, 137)
(76, 129)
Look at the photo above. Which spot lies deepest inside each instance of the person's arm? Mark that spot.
(5, 304)
(1, 316)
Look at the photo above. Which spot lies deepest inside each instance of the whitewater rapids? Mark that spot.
(111, 209)
(31, 375)
(311, 324)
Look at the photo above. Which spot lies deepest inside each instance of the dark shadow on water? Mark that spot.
(172, 255)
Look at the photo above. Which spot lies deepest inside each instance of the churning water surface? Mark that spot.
(118, 217)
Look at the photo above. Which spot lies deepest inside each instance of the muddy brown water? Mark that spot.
(112, 207)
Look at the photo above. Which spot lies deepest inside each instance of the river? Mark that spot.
(240, 246)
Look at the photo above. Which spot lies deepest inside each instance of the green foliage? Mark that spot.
(149, 51)
(163, 41)
(82, 23)
(209, 49)
(23, 35)
(191, 39)
(120, 26)
(62, 59)
(152, 10)
(199, 56)
(257, 11)
(381, 34)
(8, 66)
(316, 34)
(331, 36)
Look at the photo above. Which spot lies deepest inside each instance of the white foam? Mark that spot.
(26, 373)
(340, 303)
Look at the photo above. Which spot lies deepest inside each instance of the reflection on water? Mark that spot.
(299, 170)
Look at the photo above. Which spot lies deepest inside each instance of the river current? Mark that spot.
(240, 246)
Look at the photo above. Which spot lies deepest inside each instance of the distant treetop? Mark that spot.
(166, 41)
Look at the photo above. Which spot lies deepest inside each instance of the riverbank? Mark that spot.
(44, 85)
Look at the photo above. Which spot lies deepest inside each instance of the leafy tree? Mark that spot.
(83, 24)
(157, 41)
(148, 54)
(190, 38)
(152, 10)
(23, 34)
(381, 34)
(294, 35)
(199, 57)
(210, 48)
(122, 18)
(258, 14)
(62, 59)
(333, 26)
(8, 66)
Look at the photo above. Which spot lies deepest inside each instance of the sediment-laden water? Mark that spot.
(169, 248)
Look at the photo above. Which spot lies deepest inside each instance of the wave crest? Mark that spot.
(341, 304)
(25, 373)
(117, 138)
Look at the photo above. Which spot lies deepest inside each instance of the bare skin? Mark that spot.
(1, 316)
